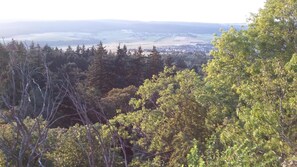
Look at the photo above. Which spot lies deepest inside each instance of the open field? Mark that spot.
(111, 33)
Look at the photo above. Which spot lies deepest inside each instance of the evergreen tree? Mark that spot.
(136, 71)
(120, 66)
(155, 62)
(96, 76)
(169, 61)
(181, 64)
(4, 62)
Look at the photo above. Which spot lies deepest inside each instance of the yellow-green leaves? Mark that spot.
(252, 79)
(170, 114)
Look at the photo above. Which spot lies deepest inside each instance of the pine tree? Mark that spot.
(96, 74)
(169, 61)
(136, 72)
(120, 70)
(155, 62)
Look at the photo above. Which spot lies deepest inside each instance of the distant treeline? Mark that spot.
(57, 107)
(92, 107)
(94, 67)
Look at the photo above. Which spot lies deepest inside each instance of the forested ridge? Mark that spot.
(92, 107)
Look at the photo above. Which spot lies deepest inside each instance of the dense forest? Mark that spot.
(93, 107)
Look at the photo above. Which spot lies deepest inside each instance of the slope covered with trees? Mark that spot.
(90, 107)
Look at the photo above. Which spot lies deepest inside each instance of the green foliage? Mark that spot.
(15, 143)
(243, 113)
(97, 78)
(2, 159)
(252, 82)
(193, 158)
(155, 64)
(169, 101)
(71, 148)
(62, 147)
(117, 101)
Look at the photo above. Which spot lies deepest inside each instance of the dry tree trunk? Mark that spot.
(82, 110)
(28, 151)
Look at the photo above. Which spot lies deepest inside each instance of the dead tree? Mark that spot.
(83, 110)
(29, 143)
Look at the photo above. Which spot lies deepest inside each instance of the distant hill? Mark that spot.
(63, 33)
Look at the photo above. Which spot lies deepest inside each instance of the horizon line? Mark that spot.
(115, 20)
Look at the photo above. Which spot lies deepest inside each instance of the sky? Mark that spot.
(208, 11)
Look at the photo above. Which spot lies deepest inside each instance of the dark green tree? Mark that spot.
(96, 76)
(155, 62)
(137, 69)
(120, 67)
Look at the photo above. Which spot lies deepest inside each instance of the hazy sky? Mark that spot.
(215, 11)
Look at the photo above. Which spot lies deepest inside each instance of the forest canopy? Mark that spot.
(92, 107)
